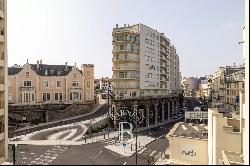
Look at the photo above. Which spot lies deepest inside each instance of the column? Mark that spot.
(147, 114)
(156, 112)
(169, 116)
(162, 111)
(173, 107)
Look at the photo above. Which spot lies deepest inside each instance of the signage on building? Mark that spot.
(124, 132)
(188, 152)
(196, 115)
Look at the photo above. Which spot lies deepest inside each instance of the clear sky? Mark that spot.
(205, 32)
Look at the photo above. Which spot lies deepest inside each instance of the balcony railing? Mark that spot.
(125, 68)
(124, 60)
(27, 88)
(127, 50)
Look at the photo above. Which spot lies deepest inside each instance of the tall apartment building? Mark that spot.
(42, 83)
(141, 62)
(175, 76)
(190, 85)
(3, 85)
(222, 84)
(235, 83)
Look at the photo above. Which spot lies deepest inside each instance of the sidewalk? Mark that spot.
(128, 149)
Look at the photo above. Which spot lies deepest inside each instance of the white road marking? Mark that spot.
(142, 150)
(98, 154)
(62, 150)
(124, 163)
(151, 154)
(22, 152)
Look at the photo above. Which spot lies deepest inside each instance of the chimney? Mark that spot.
(37, 65)
(75, 64)
(41, 61)
(116, 26)
(234, 64)
(124, 25)
(66, 66)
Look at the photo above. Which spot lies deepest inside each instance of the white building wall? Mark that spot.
(149, 57)
(246, 108)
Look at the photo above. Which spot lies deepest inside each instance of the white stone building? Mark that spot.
(142, 63)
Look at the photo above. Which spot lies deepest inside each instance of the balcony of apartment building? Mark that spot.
(163, 85)
(129, 38)
(125, 68)
(124, 30)
(126, 59)
(162, 63)
(137, 51)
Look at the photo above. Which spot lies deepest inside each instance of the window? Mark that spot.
(74, 83)
(133, 75)
(58, 97)
(33, 97)
(74, 75)
(88, 84)
(46, 83)
(121, 47)
(46, 97)
(27, 83)
(88, 73)
(58, 84)
(27, 74)
(123, 75)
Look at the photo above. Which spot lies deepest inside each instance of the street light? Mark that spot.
(135, 108)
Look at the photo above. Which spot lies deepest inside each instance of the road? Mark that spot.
(103, 110)
(94, 153)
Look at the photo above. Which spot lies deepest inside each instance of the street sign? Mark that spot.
(196, 115)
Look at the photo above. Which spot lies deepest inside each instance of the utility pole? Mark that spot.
(14, 153)
(135, 108)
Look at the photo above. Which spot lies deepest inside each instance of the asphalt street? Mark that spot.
(94, 153)
(103, 110)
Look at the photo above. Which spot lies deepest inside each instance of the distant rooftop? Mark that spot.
(189, 130)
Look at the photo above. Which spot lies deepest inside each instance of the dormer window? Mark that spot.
(58, 72)
(46, 72)
(51, 72)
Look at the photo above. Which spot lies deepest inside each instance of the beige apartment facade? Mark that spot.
(188, 144)
(218, 83)
(3, 84)
(42, 83)
(141, 62)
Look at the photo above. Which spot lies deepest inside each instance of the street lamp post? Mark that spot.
(108, 111)
(135, 108)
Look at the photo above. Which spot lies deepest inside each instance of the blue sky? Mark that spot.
(205, 32)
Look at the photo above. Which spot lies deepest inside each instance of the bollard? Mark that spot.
(104, 135)
(139, 145)
(131, 147)
(85, 139)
